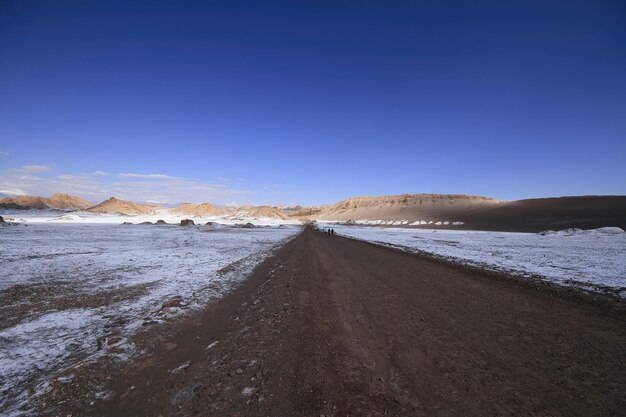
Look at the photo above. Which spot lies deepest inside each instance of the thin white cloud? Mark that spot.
(99, 185)
(85, 175)
(36, 169)
(2, 153)
(227, 179)
(12, 191)
(158, 176)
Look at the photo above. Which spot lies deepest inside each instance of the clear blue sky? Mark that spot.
(312, 102)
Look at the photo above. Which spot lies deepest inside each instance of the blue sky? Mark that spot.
(312, 102)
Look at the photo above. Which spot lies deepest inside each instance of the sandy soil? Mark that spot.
(334, 327)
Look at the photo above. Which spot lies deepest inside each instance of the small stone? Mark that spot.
(180, 368)
(174, 302)
(239, 371)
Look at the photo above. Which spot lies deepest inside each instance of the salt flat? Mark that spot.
(69, 292)
(591, 260)
(86, 217)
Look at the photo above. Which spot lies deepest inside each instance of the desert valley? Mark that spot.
(123, 278)
(312, 208)
(446, 211)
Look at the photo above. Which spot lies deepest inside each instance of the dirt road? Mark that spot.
(336, 327)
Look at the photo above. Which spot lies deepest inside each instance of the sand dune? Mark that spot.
(114, 205)
(533, 215)
(57, 201)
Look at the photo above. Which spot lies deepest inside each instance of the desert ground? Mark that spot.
(223, 320)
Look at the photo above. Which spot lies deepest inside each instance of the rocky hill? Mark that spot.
(481, 213)
(409, 207)
(114, 205)
(202, 209)
(414, 210)
(261, 212)
(57, 201)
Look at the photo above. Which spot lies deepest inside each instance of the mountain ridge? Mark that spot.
(115, 205)
(455, 211)
(58, 201)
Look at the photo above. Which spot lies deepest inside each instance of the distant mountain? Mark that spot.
(261, 212)
(479, 213)
(409, 207)
(202, 209)
(68, 202)
(114, 205)
(302, 212)
(452, 211)
(57, 201)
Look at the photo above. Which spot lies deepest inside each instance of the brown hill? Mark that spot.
(68, 202)
(410, 207)
(482, 213)
(114, 205)
(300, 212)
(262, 211)
(203, 209)
(57, 201)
